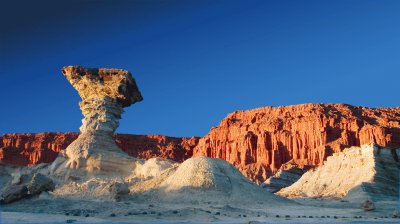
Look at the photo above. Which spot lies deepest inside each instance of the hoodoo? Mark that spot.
(104, 93)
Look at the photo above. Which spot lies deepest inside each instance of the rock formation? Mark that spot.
(286, 176)
(204, 180)
(368, 206)
(357, 173)
(104, 93)
(24, 186)
(31, 149)
(259, 141)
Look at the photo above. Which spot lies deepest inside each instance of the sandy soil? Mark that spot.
(200, 190)
(47, 209)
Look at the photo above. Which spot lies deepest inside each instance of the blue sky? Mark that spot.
(196, 61)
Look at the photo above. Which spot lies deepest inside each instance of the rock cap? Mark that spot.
(100, 83)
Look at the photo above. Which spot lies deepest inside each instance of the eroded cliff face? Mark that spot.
(259, 141)
(256, 141)
(30, 149)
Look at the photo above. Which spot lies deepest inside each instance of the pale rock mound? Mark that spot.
(203, 179)
(107, 187)
(359, 173)
(104, 93)
(93, 188)
(287, 175)
(151, 168)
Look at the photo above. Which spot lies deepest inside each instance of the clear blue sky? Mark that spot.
(196, 61)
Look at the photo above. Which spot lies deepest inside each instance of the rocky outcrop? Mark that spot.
(104, 93)
(368, 206)
(286, 176)
(256, 141)
(25, 187)
(203, 180)
(40, 183)
(13, 193)
(361, 173)
(259, 141)
(118, 190)
(30, 149)
(150, 146)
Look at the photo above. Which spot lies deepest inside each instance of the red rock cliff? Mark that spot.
(259, 141)
(28, 149)
(256, 141)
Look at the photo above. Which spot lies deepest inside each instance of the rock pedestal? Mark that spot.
(104, 93)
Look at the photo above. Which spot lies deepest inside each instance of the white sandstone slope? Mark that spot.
(357, 172)
(286, 176)
(151, 168)
(98, 186)
(203, 179)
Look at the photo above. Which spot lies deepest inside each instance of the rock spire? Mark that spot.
(104, 93)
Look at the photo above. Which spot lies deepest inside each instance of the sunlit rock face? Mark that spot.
(259, 141)
(104, 93)
(361, 173)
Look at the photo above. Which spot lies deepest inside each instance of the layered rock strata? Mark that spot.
(361, 173)
(286, 176)
(30, 149)
(203, 180)
(259, 141)
(104, 93)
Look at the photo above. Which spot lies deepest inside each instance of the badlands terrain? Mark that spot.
(309, 163)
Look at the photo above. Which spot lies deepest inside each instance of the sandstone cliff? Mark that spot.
(256, 141)
(259, 141)
(29, 149)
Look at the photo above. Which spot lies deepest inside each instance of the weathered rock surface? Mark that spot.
(40, 183)
(118, 190)
(13, 193)
(24, 185)
(259, 141)
(361, 173)
(256, 141)
(104, 93)
(368, 205)
(31, 149)
(286, 176)
(203, 180)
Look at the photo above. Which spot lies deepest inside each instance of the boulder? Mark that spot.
(117, 190)
(40, 183)
(368, 205)
(14, 193)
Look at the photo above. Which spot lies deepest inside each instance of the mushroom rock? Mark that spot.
(104, 93)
